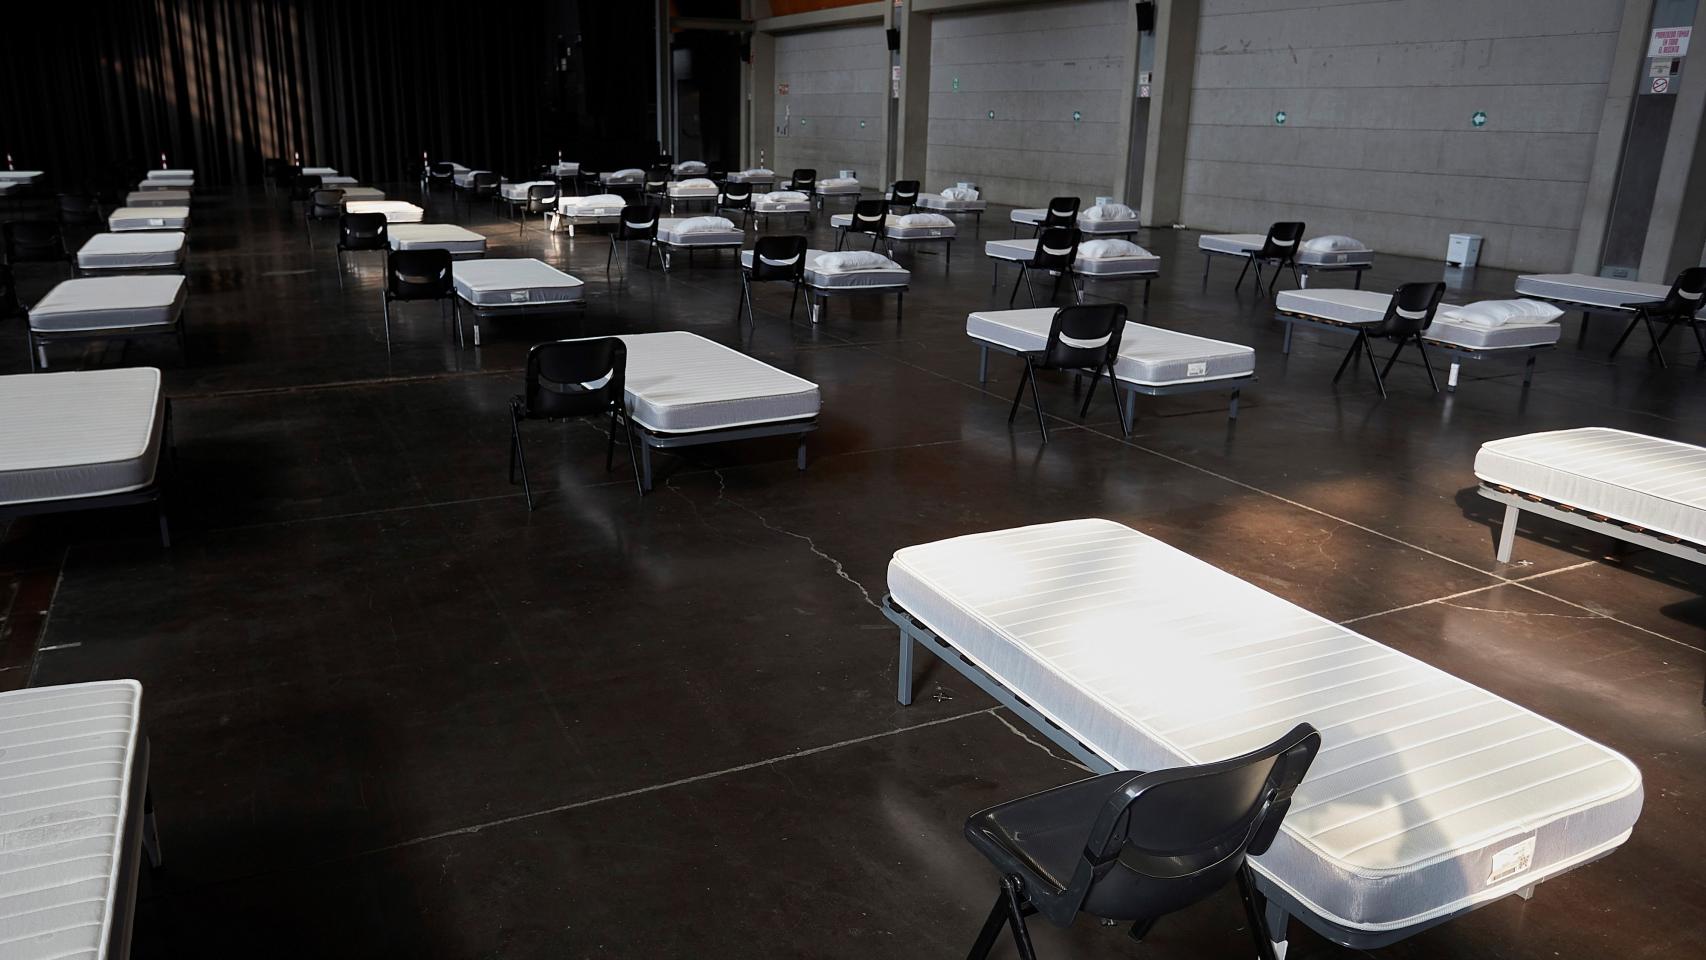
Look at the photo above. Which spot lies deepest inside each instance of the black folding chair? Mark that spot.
(1055, 253)
(1409, 312)
(442, 174)
(804, 180)
(903, 195)
(481, 186)
(541, 199)
(774, 260)
(34, 241)
(657, 182)
(1278, 250)
(323, 204)
(638, 223)
(420, 275)
(80, 208)
(1679, 306)
(302, 188)
(572, 378)
(869, 216)
(284, 177)
(361, 231)
(1083, 339)
(738, 197)
(1134, 847)
(1060, 212)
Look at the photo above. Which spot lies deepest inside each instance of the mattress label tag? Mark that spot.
(156, 222)
(1196, 368)
(1511, 861)
(518, 296)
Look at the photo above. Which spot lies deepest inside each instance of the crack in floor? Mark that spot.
(1022, 735)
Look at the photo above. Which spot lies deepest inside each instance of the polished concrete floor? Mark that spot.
(396, 714)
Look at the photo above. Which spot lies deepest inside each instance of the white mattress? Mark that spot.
(935, 201)
(679, 382)
(157, 198)
(632, 178)
(895, 276)
(337, 180)
(1363, 307)
(362, 194)
(1149, 356)
(701, 238)
(436, 236)
(895, 230)
(566, 169)
(465, 177)
(1593, 291)
(577, 207)
(781, 206)
(22, 176)
(1427, 790)
(148, 218)
(518, 191)
(753, 176)
(84, 433)
(1018, 250)
(825, 188)
(396, 211)
(173, 173)
(1086, 226)
(71, 753)
(109, 303)
(1334, 258)
(319, 171)
(504, 283)
(167, 183)
(134, 251)
(1653, 483)
(680, 189)
(1236, 244)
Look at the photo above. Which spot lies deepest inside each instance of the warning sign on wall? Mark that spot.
(1661, 85)
(1669, 42)
(782, 89)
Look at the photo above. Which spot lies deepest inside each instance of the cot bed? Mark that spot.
(15, 187)
(689, 168)
(396, 211)
(1451, 332)
(464, 178)
(131, 252)
(78, 769)
(337, 180)
(757, 176)
(1152, 361)
(1328, 254)
(157, 198)
(1107, 260)
(517, 192)
(565, 169)
(837, 187)
(83, 440)
(696, 233)
(360, 194)
(170, 173)
(321, 172)
(148, 218)
(460, 241)
(781, 203)
(907, 229)
(605, 208)
(509, 288)
(1430, 797)
(103, 308)
(849, 273)
(626, 177)
(683, 390)
(165, 183)
(693, 190)
(1589, 295)
(1102, 220)
(955, 200)
(21, 176)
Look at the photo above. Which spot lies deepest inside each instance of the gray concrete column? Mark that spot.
(1626, 67)
(762, 107)
(912, 134)
(1676, 230)
(1176, 24)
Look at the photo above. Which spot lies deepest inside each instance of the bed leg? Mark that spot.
(1451, 376)
(1527, 893)
(1507, 533)
(1232, 407)
(165, 528)
(800, 454)
(645, 466)
(1207, 260)
(1130, 408)
(1582, 331)
(1286, 346)
(982, 364)
(1528, 371)
(150, 829)
(904, 693)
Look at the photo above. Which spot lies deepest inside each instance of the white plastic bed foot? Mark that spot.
(1507, 533)
(904, 693)
(1527, 893)
(1279, 948)
(1451, 378)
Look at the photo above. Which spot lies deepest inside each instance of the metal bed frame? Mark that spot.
(1456, 352)
(1132, 390)
(1079, 278)
(153, 493)
(1303, 269)
(663, 440)
(506, 310)
(40, 339)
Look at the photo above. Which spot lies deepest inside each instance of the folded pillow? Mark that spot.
(697, 183)
(838, 182)
(960, 193)
(1109, 211)
(597, 200)
(842, 261)
(1498, 313)
(1332, 243)
(924, 220)
(758, 172)
(628, 172)
(1107, 248)
(705, 225)
(784, 196)
(690, 166)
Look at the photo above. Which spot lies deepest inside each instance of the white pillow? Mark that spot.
(842, 261)
(925, 220)
(1106, 248)
(690, 166)
(838, 182)
(1333, 243)
(1497, 313)
(960, 193)
(1109, 211)
(784, 196)
(697, 183)
(705, 225)
(759, 172)
(628, 172)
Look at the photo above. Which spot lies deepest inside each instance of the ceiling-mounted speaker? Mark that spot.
(894, 39)
(1146, 18)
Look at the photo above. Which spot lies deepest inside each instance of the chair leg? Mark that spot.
(1379, 381)
(1657, 340)
(745, 299)
(1392, 360)
(633, 459)
(1356, 348)
(1633, 323)
(1119, 408)
(1030, 291)
(520, 454)
(1253, 916)
(1036, 397)
(1016, 918)
(794, 301)
(1084, 410)
(150, 830)
(991, 931)
(1016, 281)
(1240, 281)
(1426, 364)
(1013, 413)
(387, 302)
(610, 448)
(340, 268)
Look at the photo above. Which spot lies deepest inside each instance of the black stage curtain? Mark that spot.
(93, 92)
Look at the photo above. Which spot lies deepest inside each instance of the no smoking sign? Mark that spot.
(1660, 85)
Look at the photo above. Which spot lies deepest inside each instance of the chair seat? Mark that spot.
(1041, 837)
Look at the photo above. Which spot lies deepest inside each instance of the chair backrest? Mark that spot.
(304, 186)
(1169, 838)
(270, 167)
(804, 180)
(1411, 309)
(737, 195)
(78, 208)
(779, 258)
(484, 183)
(1684, 298)
(869, 216)
(1282, 240)
(542, 197)
(657, 178)
(1085, 336)
(418, 275)
(285, 174)
(664, 160)
(904, 193)
(364, 231)
(1056, 248)
(324, 204)
(441, 170)
(1061, 212)
(26, 240)
(574, 378)
(639, 222)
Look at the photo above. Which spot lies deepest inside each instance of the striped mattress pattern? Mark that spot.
(66, 759)
(1653, 483)
(80, 433)
(1429, 796)
(679, 382)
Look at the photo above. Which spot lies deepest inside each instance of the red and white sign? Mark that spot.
(1669, 42)
(1661, 85)
(782, 89)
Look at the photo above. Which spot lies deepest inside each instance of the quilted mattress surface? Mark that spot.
(110, 303)
(134, 251)
(504, 282)
(679, 382)
(1150, 356)
(82, 433)
(1647, 481)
